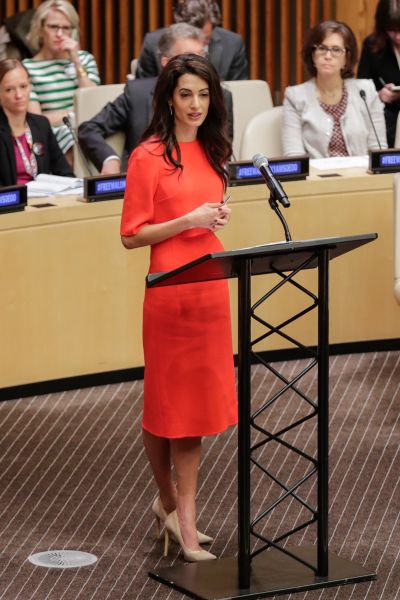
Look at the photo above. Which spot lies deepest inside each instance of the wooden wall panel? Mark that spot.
(138, 19)
(226, 8)
(94, 40)
(273, 30)
(113, 41)
(253, 44)
(299, 38)
(269, 52)
(284, 46)
(124, 41)
(359, 14)
(241, 17)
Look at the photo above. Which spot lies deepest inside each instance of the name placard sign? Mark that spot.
(104, 187)
(13, 198)
(285, 169)
(384, 161)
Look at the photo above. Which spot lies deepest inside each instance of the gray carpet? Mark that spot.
(74, 476)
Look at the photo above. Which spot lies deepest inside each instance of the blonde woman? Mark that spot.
(59, 67)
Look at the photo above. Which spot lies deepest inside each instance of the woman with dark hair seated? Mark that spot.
(380, 61)
(27, 144)
(173, 203)
(326, 115)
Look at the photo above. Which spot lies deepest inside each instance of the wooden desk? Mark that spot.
(71, 295)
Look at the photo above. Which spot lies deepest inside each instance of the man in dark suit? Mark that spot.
(225, 48)
(131, 112)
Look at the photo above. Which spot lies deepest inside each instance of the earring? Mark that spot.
(170, 109)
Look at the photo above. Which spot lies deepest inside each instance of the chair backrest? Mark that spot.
(263, 134)
(87, 103)
(396, 200)
(250, 97)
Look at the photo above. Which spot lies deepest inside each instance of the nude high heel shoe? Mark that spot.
(172, 529)
(160, 516)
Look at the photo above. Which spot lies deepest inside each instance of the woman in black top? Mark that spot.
(27, 144)
(380, 61)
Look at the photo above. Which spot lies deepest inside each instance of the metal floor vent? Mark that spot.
(62, 559)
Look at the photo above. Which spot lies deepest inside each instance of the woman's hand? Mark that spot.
(223, 218)
(210, 215)
(70, 45)
(387, 95)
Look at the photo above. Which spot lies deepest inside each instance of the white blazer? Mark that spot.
(307, 128)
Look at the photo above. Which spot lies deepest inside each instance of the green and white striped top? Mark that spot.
(53, 85)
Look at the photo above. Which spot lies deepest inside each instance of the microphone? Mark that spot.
(364, 97)
(261, 163)
(67, 122)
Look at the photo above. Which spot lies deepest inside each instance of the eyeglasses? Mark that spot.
(336, 51)
(55, 28)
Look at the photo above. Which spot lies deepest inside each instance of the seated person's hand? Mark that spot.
(71, 46)
(111, 167)
(387, 95)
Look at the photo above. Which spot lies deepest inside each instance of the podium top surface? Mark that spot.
(264, 259)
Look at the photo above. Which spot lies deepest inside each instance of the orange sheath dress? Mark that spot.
(189, 383)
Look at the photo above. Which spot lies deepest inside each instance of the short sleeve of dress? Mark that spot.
(141, 185)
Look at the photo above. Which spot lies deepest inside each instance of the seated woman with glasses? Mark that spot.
(59, 67)
(326, 115)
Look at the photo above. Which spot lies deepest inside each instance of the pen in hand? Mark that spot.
(391, 86)
(226, 200)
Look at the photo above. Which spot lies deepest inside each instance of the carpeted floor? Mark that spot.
(74, 476)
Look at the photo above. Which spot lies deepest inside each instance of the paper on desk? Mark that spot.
(51, 185)
(339, 162)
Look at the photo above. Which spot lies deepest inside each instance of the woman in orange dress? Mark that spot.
(173, 202)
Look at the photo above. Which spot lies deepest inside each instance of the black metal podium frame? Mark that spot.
(272, 569)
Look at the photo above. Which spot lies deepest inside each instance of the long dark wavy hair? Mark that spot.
(212, 133)
(387, 18)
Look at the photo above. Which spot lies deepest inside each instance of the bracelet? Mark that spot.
(81, 72)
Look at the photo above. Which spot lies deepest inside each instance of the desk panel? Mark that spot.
(71, 301)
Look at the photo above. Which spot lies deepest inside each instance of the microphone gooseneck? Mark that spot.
(364, 98)
(261, 163)
(68, 124)
(276, 191)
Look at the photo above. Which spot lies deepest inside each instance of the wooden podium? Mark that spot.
(273, 569)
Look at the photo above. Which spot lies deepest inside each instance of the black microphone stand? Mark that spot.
(85, 161)
(274, 205)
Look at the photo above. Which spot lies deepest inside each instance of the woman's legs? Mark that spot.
(159, 454)
(185, 454)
